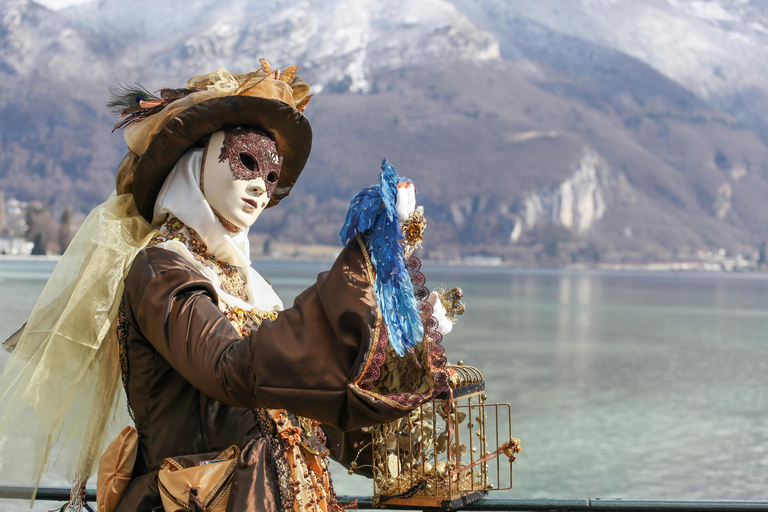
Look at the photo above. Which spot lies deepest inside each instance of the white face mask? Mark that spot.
(239, 191)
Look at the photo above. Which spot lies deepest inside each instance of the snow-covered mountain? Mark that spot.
(632, 128)
(340, 42)
(716, 49)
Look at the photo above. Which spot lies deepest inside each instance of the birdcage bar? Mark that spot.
(471, 447)
(444, 447)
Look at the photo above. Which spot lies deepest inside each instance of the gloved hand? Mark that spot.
(405, 203)
(444, 324)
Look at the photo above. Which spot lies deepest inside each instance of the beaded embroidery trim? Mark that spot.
(232, 281)
(312, 489)
(432, 355)
(122, 347)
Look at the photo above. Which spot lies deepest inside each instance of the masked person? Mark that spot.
(156, 297)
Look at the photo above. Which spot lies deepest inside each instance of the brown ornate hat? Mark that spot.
(159, 130)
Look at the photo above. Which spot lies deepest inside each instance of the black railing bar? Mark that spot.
(43, 493)
(518, 504)
(678, 505)
(486, 504)
(596, 504)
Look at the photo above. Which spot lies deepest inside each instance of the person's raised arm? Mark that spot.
(304, 361)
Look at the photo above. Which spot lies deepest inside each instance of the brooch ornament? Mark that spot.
(413, 231)
(451, 299)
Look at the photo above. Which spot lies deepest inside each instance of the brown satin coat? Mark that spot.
(192, 380)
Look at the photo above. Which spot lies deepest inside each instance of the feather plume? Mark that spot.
(373, 216)
(134, 103)
(125, 98)
(138, 115)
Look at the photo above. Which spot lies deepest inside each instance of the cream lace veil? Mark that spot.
(60, 392)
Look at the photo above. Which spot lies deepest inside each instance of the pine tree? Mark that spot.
(65, 229)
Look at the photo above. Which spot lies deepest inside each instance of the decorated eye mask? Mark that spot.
(251, 155)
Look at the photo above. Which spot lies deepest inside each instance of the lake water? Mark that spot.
(625, 385)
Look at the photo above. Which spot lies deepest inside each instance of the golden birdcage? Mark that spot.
(446, 453)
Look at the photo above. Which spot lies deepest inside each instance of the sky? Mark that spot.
(60, 4)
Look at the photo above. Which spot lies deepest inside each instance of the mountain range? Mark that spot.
(538, 132)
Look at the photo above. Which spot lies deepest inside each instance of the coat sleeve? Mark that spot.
(307, 361)
(350, 447)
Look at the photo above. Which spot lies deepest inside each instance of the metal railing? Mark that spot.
(61, 494)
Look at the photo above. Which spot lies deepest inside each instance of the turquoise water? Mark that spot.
(628, 385)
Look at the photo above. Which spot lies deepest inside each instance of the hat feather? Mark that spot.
(125, 99)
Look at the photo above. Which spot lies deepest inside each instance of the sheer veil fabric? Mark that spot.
(60, 392)
(61, 398)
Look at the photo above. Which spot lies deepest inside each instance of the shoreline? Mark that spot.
(678, 267)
